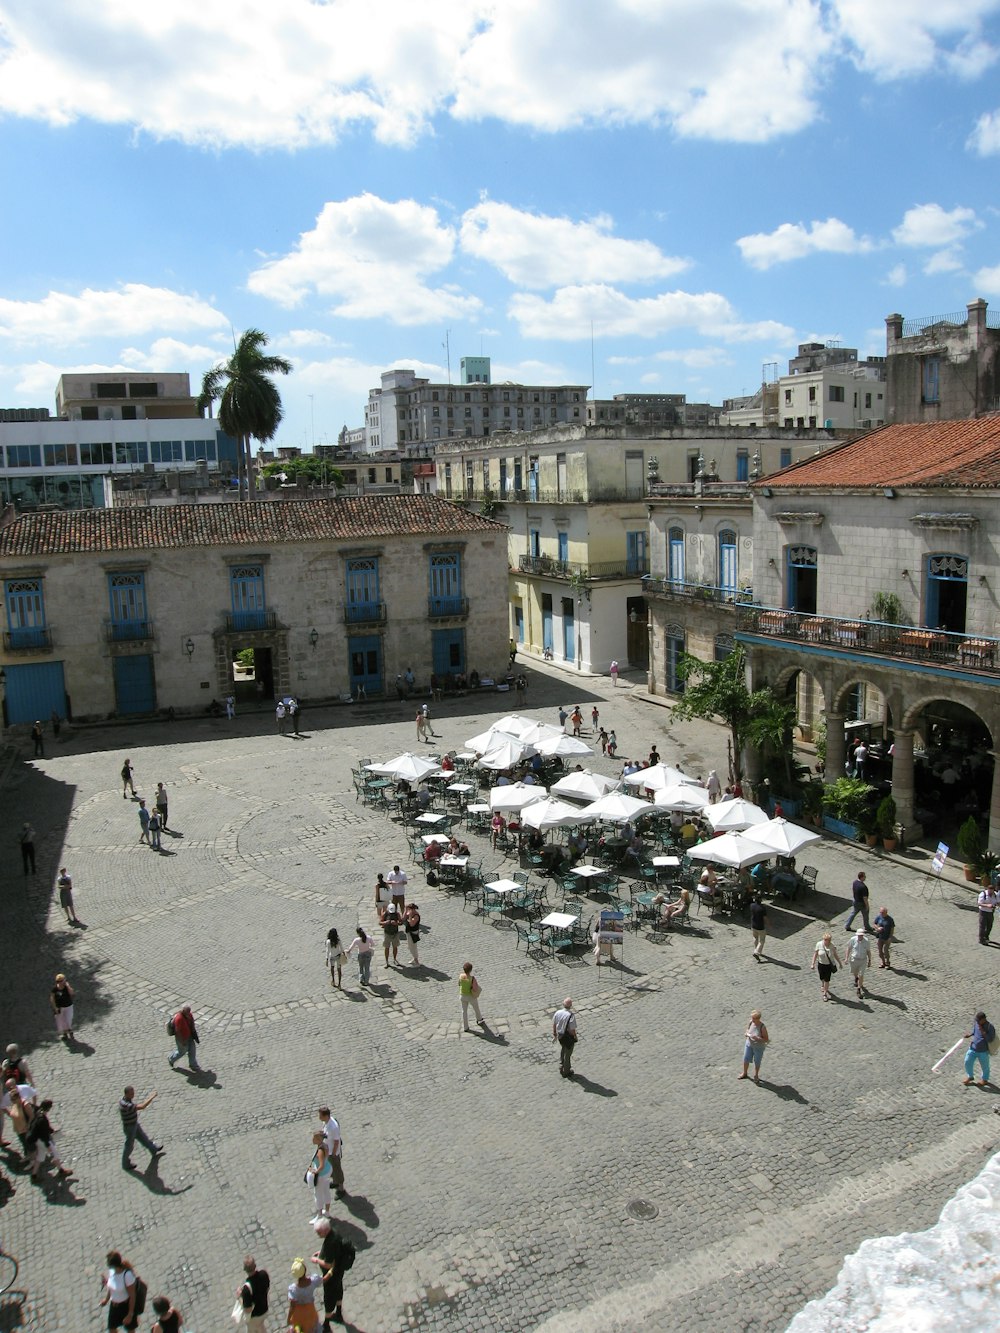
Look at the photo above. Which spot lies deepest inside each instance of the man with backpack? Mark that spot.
(182, 1028)
(334, 1257)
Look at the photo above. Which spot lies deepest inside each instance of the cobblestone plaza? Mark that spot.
(654, 1191)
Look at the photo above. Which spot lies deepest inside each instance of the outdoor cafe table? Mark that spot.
(503, 887)
(431, 819)
(478, 809)
(462, 787)
(428, 838)
(666, 862)
(588, 871)
(456, 863)
(558, 920)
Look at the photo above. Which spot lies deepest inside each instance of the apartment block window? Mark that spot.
(435, 411)
(447, 481)
(552, 398)
(675, 555)
(537, 414)
(246, 586)
(197, 449)
(25, 613)
(503, 476)
(468, 411)
(60, 455)
(362, 588)
(110, 391)
(785, 457)
(127, 599)
(836, 393)
(160, 451)
(467, 397)
(742, 465)
(143, 389)
(388, 475)
(434, 396)
(868, 400)
(812, 393)
(371, 476)
(88, 413)
(129, 412)
(788, 423)
(486, 475)
(536, 397)
(470, 476)
(24, 455)
(673, 652)
(446, 583)
(132, 451)
(931, 380)
(788, 397)
(506, 396)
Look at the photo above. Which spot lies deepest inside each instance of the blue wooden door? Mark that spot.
(569, 630)
(135, 691)
(547, 621)
(34, 691)
(448, 651)
(364, 655)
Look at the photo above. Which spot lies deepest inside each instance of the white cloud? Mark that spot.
(793, 240)
(131, 311)
(292, 339)
(987, 281)
(170, 354)
(533, 250)
(931, 225)
(571, 311)
(985, 138)
(697, 358)
(371, 256)
(896, 277)
(897, 39)
(945, 261)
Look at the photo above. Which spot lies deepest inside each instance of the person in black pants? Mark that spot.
(27, 841)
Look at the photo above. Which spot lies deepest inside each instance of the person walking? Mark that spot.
(859, 893)
(859, 957)
(576, 718)
(41, 1138)
(27, 840)
(714, 787)
(161, 805)
(982, 1037)
(186, 1037)
(333, 1258)
(128, 1109)
(421, 726)
(154, 830)
(121, 1291)
(758, 926)
(602, 736)
(363, 945)
(563, 715)
(389, 921)
(293, 713)
(230, 706)
(564, 1031)
(61, 1000)
(318, 1175)
(281, 716)
(987, 903)
(143, 823)
(127, 783)
(613, 671)
(426, 710)
(38, 736)
(612, 743)
(65, 887)
(469, 991)
(334, 1144)
(302, 1314)
(253, 1293)
(397, 880)
(411, 925)
(168, 1318)
(753, 1050)
(595, 719)
(335, 955)
(885, 927)
(825, 960)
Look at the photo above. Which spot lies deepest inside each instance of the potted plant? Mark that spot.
(812, 801)
(885, 817)
(868, 826)
(887, 608)
(845, 800)
(972, 848)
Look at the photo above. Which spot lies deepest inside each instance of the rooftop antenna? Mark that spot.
(447, 350)
(593, 372)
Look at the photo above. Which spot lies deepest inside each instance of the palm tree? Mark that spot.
(249, 402)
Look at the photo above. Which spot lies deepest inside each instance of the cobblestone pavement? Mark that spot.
(655, 1191)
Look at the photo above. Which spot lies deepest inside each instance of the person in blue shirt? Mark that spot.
(982, 1034)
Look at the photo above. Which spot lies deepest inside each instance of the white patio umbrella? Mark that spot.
(515, 725)
(412, 767)
(783, 836)
(505, 752)
(487, 739)
(540, 731)
(553, 813)
(681, 796)
(658, 777)
(566, 747)
(618, 808)
(515, 796)
(584, 786)
(734, 815)
(732, 849)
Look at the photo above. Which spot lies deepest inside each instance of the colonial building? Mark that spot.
(137, 610)
(905, 520)
(827, 387)
(943, 367)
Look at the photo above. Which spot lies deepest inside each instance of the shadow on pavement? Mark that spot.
(785, 1091)
(780, 962)
(152, 1181)
(588, 1085)
(886, 999)
(12, 1311)
(362, 1209)
(912, 976)
(79, 1047)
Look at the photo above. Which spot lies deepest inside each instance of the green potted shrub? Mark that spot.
(812, 801)
(867, 825)
(845, 801)
(972, 848)
(885, 817)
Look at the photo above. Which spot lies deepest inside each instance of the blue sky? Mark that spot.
(705, 183)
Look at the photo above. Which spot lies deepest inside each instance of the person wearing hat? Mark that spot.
(38, 736)
(982, 1034)
(565, 1033)
(859, 956)
(389, 921)
(302, 1313)
(756, 1040)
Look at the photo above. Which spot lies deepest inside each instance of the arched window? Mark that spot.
(673, 649)
(947, 584)
(675, 544)
(723, 646)
(727, 560)
(801, 572)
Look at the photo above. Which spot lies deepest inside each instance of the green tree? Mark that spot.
(718, 689)
(317, 471)
(249, 402)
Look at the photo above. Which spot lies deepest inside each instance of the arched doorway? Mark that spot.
(952, 767)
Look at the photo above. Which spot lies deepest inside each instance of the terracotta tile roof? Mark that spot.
(359, 518)
(958, 454)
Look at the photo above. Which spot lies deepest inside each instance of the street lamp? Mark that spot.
(189, 648)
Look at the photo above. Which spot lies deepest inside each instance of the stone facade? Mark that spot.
(943, 368)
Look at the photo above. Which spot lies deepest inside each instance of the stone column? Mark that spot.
(994, 833)
(835, 747)
(902, 777)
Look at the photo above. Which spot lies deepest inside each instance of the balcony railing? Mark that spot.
(27, 640)
(238, 622)
(125, 631)
(365, 613)
(439, 608)
(914, 643)
(520, 495)
(566, 569)
(686, 591)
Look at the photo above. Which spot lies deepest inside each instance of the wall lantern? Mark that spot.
(313, 638)
(189, 648)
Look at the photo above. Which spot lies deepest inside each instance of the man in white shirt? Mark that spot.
(334, 1146)
(397, 880)
(988, 902)
(19, 1102)
(565, 1033)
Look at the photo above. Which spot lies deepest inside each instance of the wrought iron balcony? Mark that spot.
(682, 590)
(126, 631)
(566, 569)
(365, 613)
(32, 640)
(915, 643)
(441, 608)
(238, 622)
